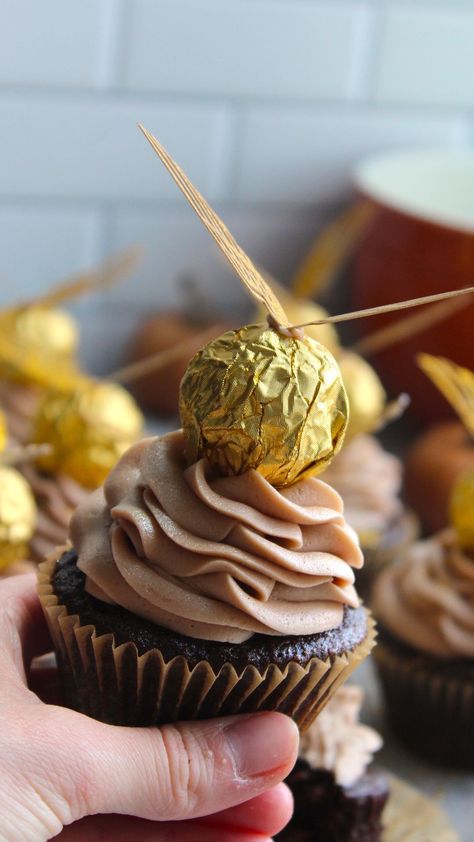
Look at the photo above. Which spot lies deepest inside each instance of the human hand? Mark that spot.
(59, 769)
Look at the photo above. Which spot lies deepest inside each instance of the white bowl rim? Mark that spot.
(380, 177)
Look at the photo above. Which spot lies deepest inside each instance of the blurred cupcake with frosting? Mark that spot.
(367, 476)
(425, 608)
(338, 794)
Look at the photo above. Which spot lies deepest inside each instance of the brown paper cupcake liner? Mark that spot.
(115, 684)
(430, 704)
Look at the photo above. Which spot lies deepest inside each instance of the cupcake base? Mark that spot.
(327, 812)
(430, 702)
(125, 670)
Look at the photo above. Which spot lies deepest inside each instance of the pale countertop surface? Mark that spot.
(454, 791)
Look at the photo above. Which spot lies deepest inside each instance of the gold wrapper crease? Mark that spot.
(117, 685)
(242, 264)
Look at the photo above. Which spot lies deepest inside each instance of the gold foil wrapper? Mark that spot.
(88, 430)
(256, 399)
(48, 330)
(17, 515)
(462, 509)
(3, 431)
(365, 394)
(36, 347)
(455, 382)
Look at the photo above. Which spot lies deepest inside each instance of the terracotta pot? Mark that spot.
(420, 241)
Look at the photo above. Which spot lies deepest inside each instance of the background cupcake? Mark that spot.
(425, 607)
(368, 477)
(337, 795)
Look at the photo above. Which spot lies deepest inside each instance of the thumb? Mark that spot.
(189, 769)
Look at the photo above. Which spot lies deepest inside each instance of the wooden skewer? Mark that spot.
(157, 361)
(406, 327)
(106, 275)
(388, 308)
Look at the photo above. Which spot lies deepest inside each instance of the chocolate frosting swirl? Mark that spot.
(369, 479)
(56, 498)
(217, 558)
(337, 741)
(427, 601)
(19, 404)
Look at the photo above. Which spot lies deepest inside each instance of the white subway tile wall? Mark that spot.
(266, 103)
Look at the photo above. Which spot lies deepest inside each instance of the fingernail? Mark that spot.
(262, 743)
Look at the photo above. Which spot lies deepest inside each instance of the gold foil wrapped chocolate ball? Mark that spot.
(462, 509)
(365, 393)
(46, 329)
(37, 346)
(254, 398)
(17, 516)
(88, 430)
(3, 431)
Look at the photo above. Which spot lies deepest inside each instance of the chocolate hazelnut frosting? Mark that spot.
(369, 479)
(427, 601)
(337, 742)
(56, 498)
(211, 557)
(19, 404)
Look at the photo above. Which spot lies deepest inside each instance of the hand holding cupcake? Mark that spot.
(214, 573)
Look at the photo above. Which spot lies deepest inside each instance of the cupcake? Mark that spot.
(338, 795)
(214, 572)
(425, 607)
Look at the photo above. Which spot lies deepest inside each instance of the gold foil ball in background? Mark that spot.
(17, 516)
(462, 509)
(88, 430)
(44, 329)
(256, 399)
(365, 393)
(37, 346)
